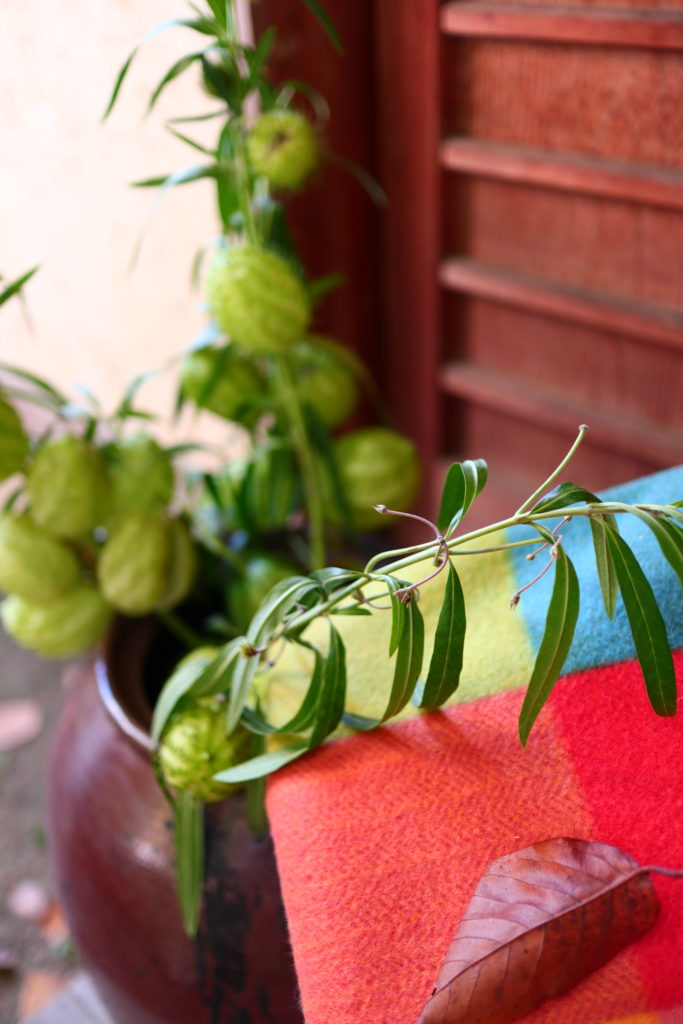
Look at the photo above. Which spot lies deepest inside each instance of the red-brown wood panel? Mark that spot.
(613, 373)
(531, 252)
(562, 238)
(335, 221)
(619, 248)
(611, 102)
(408, 133)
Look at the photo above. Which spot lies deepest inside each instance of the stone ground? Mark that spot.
(36, 957)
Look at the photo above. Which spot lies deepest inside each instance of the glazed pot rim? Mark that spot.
(118, 673)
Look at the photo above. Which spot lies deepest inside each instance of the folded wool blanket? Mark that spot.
(382, 837)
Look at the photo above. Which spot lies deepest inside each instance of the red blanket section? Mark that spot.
(381, 839)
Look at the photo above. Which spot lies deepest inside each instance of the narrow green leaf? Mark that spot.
(398, 614)
(138, 414)
(202, 676)
(189, 446)
(408, 660)
(225, 83)
(647, 627)
(304, 717)
(272, 614)
(119, 82)
(15, 287)
(607, 576)
(219, 9)
(351, 610)
(184, 176)
(445, 666)
(406, 671)
(44, 400)
(125, 405)
(196, 118)
(560, 623)
(323, 17)
(189, 846)
(564, 495)
(12, 499)
(464, 481)
(284, 596)
(568, 494)
(213, 491)
(222, 357)
(246, 667)
(265, 764)
(673, 513)
(227, 196)
(257, 817)
(203, 25)
(669, 538)
(37, 382)
(332, 577)
(322, 286)
(331, 691)
(188, 141)
(173, 72)
(258, 56)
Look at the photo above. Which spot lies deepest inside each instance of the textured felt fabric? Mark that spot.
(381, 838)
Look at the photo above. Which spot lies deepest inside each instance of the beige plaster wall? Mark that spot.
(65, 201)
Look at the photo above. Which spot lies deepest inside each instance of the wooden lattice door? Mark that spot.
(533, 246)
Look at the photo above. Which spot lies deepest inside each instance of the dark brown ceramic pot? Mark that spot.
(111, 845)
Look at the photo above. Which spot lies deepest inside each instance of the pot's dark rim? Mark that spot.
(118, 672)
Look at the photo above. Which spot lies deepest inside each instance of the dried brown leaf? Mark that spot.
(540, 921)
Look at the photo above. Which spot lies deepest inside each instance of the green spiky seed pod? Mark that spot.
(132, 566)
(194, 747)
(283, 146)
(224, 381)
(257, 299)
(33, 563)
(325, 380)
(14, 445)
(61, 628)
(67, 487)
(376, 466)
(141, 477)
(147, 563)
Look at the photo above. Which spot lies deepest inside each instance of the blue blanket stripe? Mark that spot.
(599, 641)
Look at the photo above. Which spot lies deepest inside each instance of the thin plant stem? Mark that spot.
(418, 554)
(175, 625)
(540, 491)
(315, 512)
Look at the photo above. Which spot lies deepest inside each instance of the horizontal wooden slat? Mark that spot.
(609, 179)
(652, 29)
(646, 321)
(660, 446)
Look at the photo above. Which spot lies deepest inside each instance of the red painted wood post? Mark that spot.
(335, 221)
(408, 121)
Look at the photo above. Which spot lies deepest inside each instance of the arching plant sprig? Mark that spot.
(294, 603)
(268, 142)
